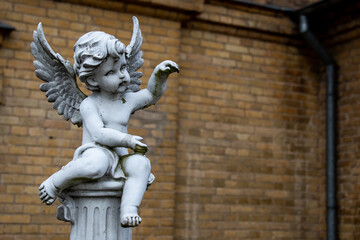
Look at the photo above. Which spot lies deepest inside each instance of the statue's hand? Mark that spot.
(165, 68)
(135, 143)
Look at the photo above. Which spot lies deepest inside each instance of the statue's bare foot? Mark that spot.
(130, 220)
(48, 192)
(129, 216)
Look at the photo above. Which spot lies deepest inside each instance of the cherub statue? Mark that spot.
(109, 70)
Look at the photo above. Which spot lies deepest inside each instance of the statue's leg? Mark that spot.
(92, 165)
(137, 170)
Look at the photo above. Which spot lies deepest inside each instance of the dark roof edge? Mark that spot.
(265, 6)
(309, 9)
(6, 28)
(320, 6)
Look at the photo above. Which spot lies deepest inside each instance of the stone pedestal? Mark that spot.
(93, 209)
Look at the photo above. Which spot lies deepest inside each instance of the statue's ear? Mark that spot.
(91, 81)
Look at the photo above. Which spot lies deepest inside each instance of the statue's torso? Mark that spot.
(114, 114)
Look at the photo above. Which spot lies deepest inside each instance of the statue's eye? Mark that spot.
(109, 72)
(123, 67)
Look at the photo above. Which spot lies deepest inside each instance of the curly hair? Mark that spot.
(91, 50)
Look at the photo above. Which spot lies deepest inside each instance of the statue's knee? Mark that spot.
(94, 171)
(137, 165)
(94, 166)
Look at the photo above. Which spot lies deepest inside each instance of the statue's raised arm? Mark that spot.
(157, 82)
(59, 75)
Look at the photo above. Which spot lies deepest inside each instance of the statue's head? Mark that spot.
(91, 50)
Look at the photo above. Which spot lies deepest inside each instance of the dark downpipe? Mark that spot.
(331, 142)
(331, 205)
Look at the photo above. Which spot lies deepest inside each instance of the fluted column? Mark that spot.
(93, 209)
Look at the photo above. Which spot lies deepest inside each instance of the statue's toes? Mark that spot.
(124, 221)
(138, 220)
(50, 201)
(45, 198)
(135, 221)
(42, 194)
(130, 221)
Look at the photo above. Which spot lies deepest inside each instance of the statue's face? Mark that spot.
(112, 75)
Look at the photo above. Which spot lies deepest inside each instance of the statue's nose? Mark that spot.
(121, 75)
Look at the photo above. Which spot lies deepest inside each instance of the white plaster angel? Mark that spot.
(109, 70)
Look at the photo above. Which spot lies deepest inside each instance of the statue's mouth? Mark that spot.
(123, 84)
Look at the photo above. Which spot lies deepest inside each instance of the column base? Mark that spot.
(93, 209)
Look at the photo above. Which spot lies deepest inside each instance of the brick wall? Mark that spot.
(348, 172)
(237, 142)
(345, 48)
(248, 140)
(189, 5)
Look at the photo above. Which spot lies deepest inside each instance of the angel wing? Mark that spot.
(134, 57)
(59, 75)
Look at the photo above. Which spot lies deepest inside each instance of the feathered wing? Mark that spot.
(134, 57)
(59, 76)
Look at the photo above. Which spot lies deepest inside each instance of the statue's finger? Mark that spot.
(138, 138)
(141, 147)
(177, 67)
(174, 67)
(164, 68)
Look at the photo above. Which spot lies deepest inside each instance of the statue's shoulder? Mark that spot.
(88, 103)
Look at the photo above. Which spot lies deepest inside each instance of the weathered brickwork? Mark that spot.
(248, 140)
(346, 53)
(189, 5)
(220, 13)
(237, 143)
